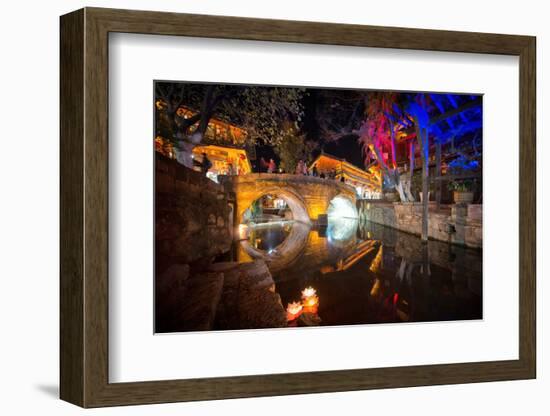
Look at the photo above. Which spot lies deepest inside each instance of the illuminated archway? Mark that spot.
(342, 207)
(294, 201)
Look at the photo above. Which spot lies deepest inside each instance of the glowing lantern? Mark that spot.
(308, 292)
(310, 300)
(293, 310)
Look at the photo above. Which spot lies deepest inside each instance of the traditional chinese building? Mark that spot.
(226, 160)
(368, 183)
(223, 144)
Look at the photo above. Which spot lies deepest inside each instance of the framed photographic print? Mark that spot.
(256, 207)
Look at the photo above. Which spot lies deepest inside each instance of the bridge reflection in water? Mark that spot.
(367, 273)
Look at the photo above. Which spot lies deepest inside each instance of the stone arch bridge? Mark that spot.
(307, 196)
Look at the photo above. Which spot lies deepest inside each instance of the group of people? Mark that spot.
(205, 164)
(269, 167)
(301, 169)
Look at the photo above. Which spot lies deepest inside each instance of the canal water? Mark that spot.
(365, 273)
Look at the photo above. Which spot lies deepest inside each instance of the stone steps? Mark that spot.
(224, 296)
(249, 300)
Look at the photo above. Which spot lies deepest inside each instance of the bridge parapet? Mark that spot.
(307, 196)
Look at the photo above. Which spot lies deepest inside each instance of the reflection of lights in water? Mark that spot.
(341, 229)
(341, 207)
(267, 236)
(377, 261)
(375, 287)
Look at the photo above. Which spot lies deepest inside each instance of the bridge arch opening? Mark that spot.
(342, 207)
(342, 219)
(275, 226)
(279, 202)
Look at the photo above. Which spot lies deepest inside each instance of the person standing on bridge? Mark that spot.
(206, 164)
(300, 167)
(272, 166)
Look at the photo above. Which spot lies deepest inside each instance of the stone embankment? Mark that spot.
(224, 296)
(455, 224)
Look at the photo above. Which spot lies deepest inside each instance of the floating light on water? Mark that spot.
(310, 300)
(308, 292)
(293, 310)
(311, 304)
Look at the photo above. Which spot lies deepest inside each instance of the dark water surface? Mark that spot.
(367, 273)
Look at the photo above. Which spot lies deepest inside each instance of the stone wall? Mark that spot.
(456, 224)
(193, 216)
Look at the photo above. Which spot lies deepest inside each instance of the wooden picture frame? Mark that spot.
(84, 207)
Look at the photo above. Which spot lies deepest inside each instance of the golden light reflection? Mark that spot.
(375, 288)
(377, 261)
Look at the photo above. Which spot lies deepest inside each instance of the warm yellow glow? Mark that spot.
(308, 292)
(243, 232)
(375, 287)
(311, 301)
(327, 269)
(293, 310)
(218, 130)
(354, 175)
(225, 160)
(377, 261)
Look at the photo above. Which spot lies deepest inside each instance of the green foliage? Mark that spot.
(292, 148)
(266, 113)
(465, 185)
(416, 183)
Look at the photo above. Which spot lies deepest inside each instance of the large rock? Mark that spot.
(198, 309)
(249, 299)
(261, 309)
